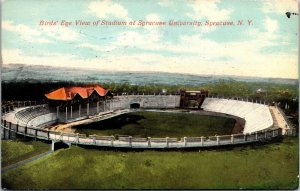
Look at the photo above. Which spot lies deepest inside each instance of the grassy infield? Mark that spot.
(160, 124)
(272, 166)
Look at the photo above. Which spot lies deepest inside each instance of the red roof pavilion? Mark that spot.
(68, 93)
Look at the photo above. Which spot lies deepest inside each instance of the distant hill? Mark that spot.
(34, 73)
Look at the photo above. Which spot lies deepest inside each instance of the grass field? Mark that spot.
(160, 124)
(271, 166)
(14, 151)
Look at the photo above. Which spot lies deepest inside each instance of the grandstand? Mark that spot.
(257, 116)
(32, 121)
(29, 113)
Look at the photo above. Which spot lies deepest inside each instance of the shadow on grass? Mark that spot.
(117, 123)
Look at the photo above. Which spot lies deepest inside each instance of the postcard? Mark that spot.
(139, 94)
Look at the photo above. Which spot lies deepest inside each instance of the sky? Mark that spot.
(265, 45)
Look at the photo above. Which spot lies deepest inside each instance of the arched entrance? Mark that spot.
(59, 145)
(134, 105)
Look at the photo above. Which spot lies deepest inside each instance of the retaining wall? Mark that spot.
(144, 143)
(146, 101)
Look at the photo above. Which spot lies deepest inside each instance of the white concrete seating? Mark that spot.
(27, 114)
(257, 116)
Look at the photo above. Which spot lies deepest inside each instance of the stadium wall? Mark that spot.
(146, 101)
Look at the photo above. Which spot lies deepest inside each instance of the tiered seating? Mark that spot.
(30, 113)
(257, 116)
(274, 118)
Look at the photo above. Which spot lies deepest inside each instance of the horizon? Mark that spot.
(34, 73)
(152, 72)
(249, 38)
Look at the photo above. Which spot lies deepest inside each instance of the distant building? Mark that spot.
(77, 95)
(261, 91)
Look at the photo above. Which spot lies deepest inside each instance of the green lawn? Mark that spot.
(160, 124)
(14, 151)
(271, 166)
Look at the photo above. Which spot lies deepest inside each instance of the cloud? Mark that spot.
(146, 41)
(208, 9)
(48, 59)
(25, 32)
(165, 3)
(244, 57)
(42, 34)
(271, 25)
(95, 47)
(244, 61)
(60, 33)
(107, 8)
(153, 17)
(192, 54)
(279, 6)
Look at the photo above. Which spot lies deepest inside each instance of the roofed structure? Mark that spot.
(68, 93)
(192, 99)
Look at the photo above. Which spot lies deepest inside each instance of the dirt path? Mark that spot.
(67, 127)
(23, 162)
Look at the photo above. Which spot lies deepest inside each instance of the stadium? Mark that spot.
(256, 120)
